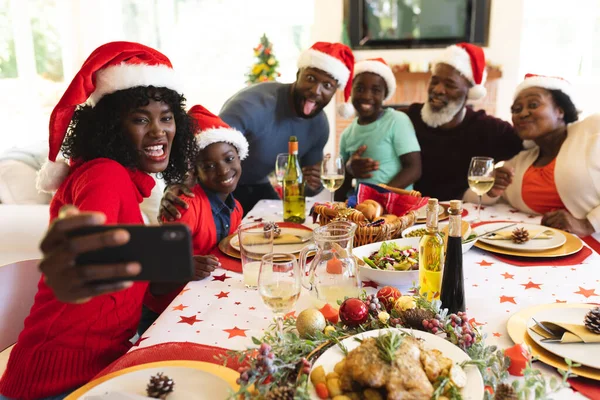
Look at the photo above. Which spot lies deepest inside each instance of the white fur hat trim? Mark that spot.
(227, 135)
(380, 69)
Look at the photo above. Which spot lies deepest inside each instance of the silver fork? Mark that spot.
(555, 336)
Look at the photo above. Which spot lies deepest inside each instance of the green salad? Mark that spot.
(392, 257)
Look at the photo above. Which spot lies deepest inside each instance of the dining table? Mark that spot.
(217, 314)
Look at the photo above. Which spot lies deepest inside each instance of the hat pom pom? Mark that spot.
(51, 175)
(346, 110)
(477, 92)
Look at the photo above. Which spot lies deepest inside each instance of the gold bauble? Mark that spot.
(309, 322)
(405, 303)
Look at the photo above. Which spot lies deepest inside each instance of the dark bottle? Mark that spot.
(453, 287)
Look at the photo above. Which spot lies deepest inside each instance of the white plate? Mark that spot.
(190, 384)
(280, 248)
(584, 354)
(556, 240)
(400, 279)
(465, 246)
(473, 390)
(422, 212)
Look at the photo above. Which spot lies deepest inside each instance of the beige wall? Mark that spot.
(504, 47)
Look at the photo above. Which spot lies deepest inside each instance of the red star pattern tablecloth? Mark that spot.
(220, 311)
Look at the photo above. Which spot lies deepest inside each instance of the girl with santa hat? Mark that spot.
(121, 118)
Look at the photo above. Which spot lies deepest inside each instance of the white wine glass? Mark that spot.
(281, 164)
(279, 284)
(332, 173)
(481, 178)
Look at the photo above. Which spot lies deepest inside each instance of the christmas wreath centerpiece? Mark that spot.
(279, 367)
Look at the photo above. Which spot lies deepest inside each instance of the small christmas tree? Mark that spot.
(265, 69)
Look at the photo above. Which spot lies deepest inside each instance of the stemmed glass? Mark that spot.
(481, 178)
(279, 284)
(280, 166)
(332, 173)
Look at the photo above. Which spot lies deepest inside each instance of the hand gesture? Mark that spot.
(360, 167)
(312, 176)
(562, 219)
(73, 283)
(168, 204)
(503, 178)
(205, 265)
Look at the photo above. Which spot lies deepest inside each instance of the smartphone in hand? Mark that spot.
(164, 252)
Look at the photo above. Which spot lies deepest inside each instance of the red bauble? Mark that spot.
(519, 357)
(354, 312)
(387, 296)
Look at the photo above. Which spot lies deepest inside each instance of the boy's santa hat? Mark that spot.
(379, 67)
(548, 83)
(212, 129)
(469, 60)
(111, 67)
(337, 60)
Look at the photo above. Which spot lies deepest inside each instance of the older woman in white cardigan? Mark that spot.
(560, 176)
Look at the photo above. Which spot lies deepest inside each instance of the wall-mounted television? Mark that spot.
(405, 24)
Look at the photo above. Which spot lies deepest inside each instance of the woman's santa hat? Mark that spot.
(548, 83)
(469, 60)
(111, 67)
(337, 60)
(212, 129)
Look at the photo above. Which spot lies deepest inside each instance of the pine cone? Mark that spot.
(592, 320)
(520, 235)
(160, 386)
(275, 227)
(505, 392)
(413, 318)
(281, 393)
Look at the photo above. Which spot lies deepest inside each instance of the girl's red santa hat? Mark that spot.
(469, 60)
(548, 83)
(337, 60)
(111, 67)
(212, 129)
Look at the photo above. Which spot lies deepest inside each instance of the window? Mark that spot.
(44, 42)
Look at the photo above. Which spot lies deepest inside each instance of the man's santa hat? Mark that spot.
(111, 67)
(469, 60)
(212, 129)
(337, 60)
(548, 83)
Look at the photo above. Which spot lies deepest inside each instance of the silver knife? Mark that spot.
(490, 232)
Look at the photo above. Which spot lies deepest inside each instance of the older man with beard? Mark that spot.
(269, 113)
(449, 132)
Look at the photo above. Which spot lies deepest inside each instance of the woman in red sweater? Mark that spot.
(134, 123)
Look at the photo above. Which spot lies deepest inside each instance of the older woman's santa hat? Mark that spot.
(212, 129)
(111, 67)
(469, 60)
(338, 61)
(548, 83)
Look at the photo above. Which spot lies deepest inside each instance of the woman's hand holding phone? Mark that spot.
(73, 283)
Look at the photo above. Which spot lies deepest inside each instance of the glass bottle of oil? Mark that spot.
(294, 200)
(431, 254)
(453, 287)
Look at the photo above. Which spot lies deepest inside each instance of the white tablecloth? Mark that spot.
(220, 311)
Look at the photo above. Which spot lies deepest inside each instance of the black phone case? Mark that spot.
(165, 252)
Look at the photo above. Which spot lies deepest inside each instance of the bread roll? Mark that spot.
(371, 209)
(389, 218)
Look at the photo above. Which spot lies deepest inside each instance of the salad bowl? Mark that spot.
(390, 276)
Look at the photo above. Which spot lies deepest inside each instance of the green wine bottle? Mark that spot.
(294, 200)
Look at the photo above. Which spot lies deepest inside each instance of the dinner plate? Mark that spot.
(572, 245)
(442, 213)
(304, 235)
(533, 245)
(472, 391)
(194, 380)
(227, 248)
(582, 353)
(403, 280)
(517, 330)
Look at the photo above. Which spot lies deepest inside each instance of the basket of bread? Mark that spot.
(381, 212)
